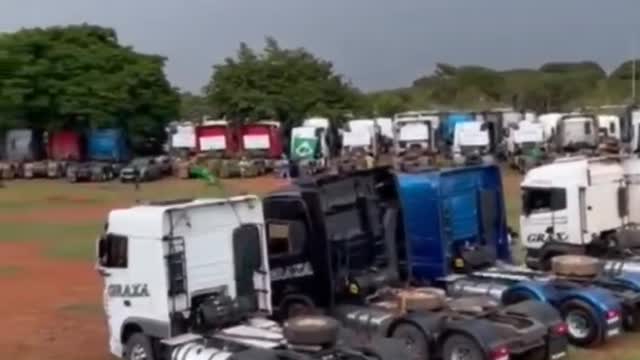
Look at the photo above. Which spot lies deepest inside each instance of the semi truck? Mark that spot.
(333, 246)
(586, 206)
(414, 139)
(63, 147)
(455, 227)
(261, 146)
(526, 147)
(473, 143)
(190, 280)
(25, 153)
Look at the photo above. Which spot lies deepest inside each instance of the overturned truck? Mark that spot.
(333, 245)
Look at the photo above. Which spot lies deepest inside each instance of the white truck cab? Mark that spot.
(575, 132)
(169, 269)
(415, 129)
(573, 205)
(524, 140)
(190, 280)
(471, 143)
(361, 134)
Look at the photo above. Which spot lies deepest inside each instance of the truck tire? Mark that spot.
(459, 346)
(631, 318)
(582, 323)
(575, 265)
(414, 341)
(139, 347)
(311, 330)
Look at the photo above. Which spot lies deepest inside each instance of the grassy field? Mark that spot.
(57, 224)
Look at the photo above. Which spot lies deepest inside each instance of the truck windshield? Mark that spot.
(535, 200)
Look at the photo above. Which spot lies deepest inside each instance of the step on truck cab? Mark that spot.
(456, 230)
(414, 139)
(332, 246)
(189, 280)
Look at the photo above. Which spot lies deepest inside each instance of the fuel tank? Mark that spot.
(475, 287)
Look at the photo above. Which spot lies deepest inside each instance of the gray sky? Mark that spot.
(375, 43)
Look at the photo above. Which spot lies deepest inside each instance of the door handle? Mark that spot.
(127, 303)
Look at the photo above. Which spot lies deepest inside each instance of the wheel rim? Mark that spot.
(138, 353)
(578, 325)
(410, 345)
(462, 353)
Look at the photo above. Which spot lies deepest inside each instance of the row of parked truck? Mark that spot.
(413, 140)
(419, 261)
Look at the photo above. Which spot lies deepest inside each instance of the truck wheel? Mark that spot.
(311, 330)
(582, 323)
(139, 347)
(414, 340)
(631, 318)
(461, 347)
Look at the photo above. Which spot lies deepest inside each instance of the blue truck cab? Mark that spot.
(455, 230)
(108, 145)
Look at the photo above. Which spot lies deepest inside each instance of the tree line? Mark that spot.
(81, 77)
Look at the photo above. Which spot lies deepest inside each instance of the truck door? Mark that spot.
(113, 267)
(251, 268)
(544, 216)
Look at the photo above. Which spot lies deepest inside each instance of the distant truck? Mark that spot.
(312, 146)
(63, 147)
(261, 146)
(472, 144)
(414, 139)
(218, 140)
(107, 151)
(25, 152)
(361, 144)
(526, 147)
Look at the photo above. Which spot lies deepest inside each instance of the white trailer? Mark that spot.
(190, 280)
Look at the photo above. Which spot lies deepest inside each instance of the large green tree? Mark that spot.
(287, 84)
(80, 76)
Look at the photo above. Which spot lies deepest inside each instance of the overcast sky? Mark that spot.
(375, 43)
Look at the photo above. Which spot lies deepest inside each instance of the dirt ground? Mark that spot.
(52, 308)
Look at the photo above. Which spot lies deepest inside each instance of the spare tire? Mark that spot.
(420, 300)
(575, 265)
(311, 330)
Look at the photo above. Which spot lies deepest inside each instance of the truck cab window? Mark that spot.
(587, 128)
(543, 200)
(112, 251)
(285, 237)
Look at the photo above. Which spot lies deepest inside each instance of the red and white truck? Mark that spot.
(261, 146)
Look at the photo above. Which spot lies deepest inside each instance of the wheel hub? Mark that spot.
(462, 353)
(577, 325)
(138, 353)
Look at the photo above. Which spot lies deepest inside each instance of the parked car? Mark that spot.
(89, 171)
(165, 163)
(141, 169)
